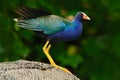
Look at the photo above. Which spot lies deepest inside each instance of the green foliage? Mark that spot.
(94, 56)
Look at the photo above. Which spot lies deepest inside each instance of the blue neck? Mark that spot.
(77, 26)
(77, 23)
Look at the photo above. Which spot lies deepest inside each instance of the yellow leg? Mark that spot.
(46, 49)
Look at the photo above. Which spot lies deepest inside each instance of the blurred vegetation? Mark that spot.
(94, 56)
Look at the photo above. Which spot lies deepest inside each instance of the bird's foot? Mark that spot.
(64, 69)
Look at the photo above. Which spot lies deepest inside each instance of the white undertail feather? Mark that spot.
(15, 19)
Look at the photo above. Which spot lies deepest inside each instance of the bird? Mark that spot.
(54, 27)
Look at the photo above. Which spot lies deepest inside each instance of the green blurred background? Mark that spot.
(94, 56)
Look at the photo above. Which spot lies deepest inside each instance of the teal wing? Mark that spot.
(40, 20)
(48, 24)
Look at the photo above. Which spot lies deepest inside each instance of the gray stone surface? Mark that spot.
(29, 70)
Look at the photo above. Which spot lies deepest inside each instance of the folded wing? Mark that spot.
(40, 20)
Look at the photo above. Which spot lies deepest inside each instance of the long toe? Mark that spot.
(64, 69)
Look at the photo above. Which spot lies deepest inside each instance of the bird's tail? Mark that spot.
(29, 24)
(29, 13)
(28, 17)
(24, 24)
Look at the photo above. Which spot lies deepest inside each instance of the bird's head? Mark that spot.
(82, 16)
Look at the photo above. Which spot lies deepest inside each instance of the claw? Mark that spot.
(64, 69)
